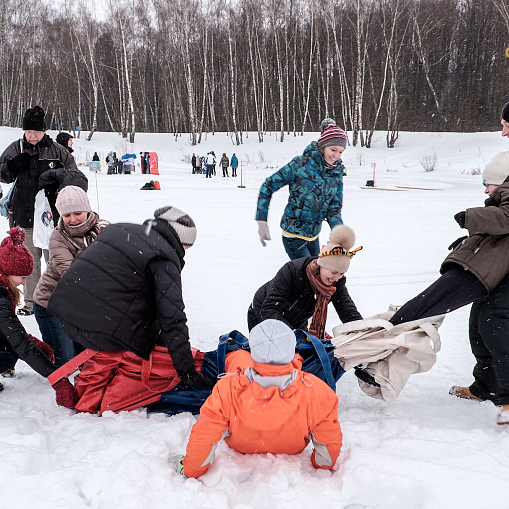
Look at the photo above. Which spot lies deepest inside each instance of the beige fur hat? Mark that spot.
(497, 170)
(336, 254)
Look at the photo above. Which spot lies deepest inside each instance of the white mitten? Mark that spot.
(263, 232)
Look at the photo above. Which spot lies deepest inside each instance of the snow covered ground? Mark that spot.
(426, 450)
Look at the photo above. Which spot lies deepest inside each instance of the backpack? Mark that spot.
(318, 355)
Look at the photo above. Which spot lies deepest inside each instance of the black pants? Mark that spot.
(489, 340)
(252, 319)
(225, 171)
(455, 289)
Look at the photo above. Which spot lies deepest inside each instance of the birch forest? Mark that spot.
(191, 66)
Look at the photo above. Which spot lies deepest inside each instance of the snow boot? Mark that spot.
(9, 373)
(463, 392)
(503, 415)
(25, 311)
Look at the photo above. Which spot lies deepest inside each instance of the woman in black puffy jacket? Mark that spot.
(303, 288)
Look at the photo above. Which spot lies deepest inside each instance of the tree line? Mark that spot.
(192, 66)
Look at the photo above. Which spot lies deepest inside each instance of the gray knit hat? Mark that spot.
(326, 122)
(272, 342)
(182, 224)
(497, 170)
(72, 199)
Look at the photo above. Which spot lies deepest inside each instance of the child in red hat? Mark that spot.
(16, 263)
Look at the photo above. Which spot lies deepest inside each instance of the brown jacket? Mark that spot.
(485, 252)
(62, 251)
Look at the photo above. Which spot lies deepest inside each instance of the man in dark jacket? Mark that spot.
(124, 292)
(36, 162)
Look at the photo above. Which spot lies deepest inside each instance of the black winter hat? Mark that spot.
(505, 113)
(63, 138)
(33, 119)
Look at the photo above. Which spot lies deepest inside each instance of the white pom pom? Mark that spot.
(343, 236)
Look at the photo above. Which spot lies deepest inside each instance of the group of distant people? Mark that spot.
(207, 164)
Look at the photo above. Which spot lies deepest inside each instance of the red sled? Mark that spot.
(154, 164)
(118, 381)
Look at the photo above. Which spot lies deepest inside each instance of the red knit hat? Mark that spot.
(332, 135)
(15, 258)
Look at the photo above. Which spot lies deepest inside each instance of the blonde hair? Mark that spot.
(15, 291)
(315, 269)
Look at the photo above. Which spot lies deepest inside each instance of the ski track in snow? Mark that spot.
(425, 450)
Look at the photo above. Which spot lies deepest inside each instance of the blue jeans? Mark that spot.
(7, 360)
(53, 334)
(300, 248)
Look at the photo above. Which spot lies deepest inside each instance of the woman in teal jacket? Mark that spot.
(315, 180)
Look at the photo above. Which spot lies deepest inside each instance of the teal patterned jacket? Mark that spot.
(315, 194)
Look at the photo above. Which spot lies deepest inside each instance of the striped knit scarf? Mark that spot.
(324, 294)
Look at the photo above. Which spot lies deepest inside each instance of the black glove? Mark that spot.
(51, 177)
(460, 218)
(457, 241)
(18, 163)
(364, 376)
(490, 202)
(194, 378)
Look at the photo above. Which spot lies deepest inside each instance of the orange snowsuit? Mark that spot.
(261, 420)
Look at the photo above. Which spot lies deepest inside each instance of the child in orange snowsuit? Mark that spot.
(269, 405)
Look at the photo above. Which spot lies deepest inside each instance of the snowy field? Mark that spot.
(426, 450)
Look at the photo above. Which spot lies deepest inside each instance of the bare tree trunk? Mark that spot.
(275, 24)
(256, 91)
(346, 101)
(310, 70)
(232, 81)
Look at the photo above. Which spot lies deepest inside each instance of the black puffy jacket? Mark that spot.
(289, 297)
(124, 292)
(14, 337)
(52, 167)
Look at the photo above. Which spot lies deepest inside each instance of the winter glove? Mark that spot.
(457, 242)
(44, 348)
(365, 377)
(263, 232)
(66, 393)
(178, 462)
(51, 177)
(491, 202)
(460, 218)
(193, 378)
(19, 163)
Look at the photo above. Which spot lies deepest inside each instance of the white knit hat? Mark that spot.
(182, 224)
(272, 342)
(497, 170)
(72, 199)
(336, 254)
